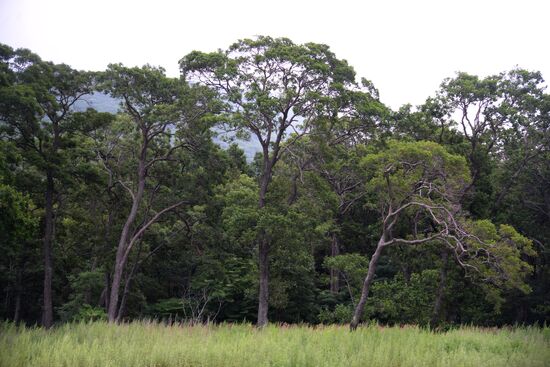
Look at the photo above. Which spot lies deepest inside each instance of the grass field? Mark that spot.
(152, 344)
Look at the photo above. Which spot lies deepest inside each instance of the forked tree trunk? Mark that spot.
(366, 284)
(127, 285)
(122, 308)
(130, 235)
(47, 310)
(123, 244)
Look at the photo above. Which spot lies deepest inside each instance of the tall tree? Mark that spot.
(272, 87)
(167, 115)
(503, 116)
(37, 114)
(525, 114)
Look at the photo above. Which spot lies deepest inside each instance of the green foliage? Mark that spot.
(506, 249)
(166, 308)
(408, 163)
(89, 313)
(268, 84)
(19, 225)
(341, 314)
(86, 286)
(240, 214)
(477, 149)
(17, 222)
(353, 268)
(403, 301)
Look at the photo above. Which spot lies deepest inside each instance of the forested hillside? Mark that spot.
(349, 211)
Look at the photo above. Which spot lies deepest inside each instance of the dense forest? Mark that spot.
(437, 214)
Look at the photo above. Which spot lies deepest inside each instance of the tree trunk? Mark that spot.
(294, 190)
(122, 307)
(127, 286)
(120, 262)
(17, 312)
(88, 290)
(123, 243)
(47, 310)
(334, 273)
(18, 292)
(263, 304)
(115, 288)
(436, 315)
(366, 284)
(521, 312)
(263, 255)
(104, 297)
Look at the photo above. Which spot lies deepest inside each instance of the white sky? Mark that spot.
(405, 47)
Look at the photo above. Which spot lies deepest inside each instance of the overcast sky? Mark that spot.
(405, 47)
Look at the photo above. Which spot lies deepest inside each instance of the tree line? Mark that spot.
(437, 214)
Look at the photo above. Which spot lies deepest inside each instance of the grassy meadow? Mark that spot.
(152, 344)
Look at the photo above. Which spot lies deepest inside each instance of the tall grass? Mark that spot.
(153, 344)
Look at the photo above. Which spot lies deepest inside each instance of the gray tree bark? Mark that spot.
(263, 251)
(366, 284)
(123, 243)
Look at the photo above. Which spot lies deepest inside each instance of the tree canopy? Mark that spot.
(435, 214)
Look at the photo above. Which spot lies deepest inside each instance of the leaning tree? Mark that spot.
(168, 117)
(416, 188)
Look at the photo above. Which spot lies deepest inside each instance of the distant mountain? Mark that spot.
(250, 147)
(98, 101)
(105, 103)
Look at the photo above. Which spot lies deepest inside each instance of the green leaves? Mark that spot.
(268, 84)
(142, 89)
(353, 267)
(500, 258)
(482, 192)
(18, 224)
(408, 171)
(240, 215)
(404, 301)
